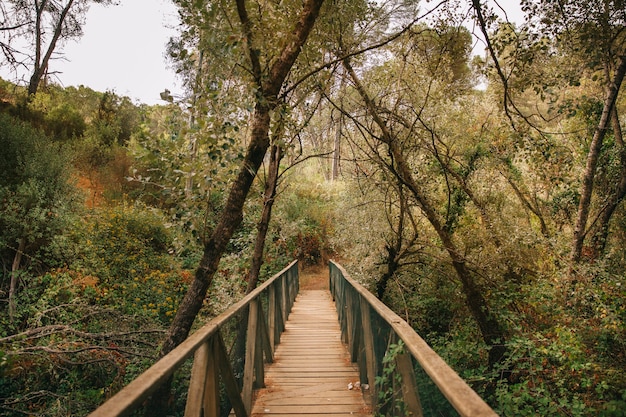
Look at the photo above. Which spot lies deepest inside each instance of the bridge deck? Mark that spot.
(311, 370)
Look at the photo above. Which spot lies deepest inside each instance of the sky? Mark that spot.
(123, 49)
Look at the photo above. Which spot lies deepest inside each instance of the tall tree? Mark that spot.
(43, 25)
(269, 72)
(269, 84)
(399, 167)
(587, 32)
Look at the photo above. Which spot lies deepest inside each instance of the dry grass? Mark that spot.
(314, 277)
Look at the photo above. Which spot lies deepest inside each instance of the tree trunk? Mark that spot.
(17, 260)
(41, 63)
(276, 155)
(602, 231)
(232, 214)
(592, 161)
(337, 142)
(193, 139)
(393, 249)
(491, 331)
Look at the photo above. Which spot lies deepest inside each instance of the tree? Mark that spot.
(491, 330)
(591, 35)
(44, 25)
(35, 196)
(268, 82)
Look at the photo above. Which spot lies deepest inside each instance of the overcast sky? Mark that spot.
(123, 49)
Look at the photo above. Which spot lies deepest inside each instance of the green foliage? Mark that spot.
(388, 384)
(65, 122)
(36, 195)
(128, 251)
(89, 328)
(305, 226)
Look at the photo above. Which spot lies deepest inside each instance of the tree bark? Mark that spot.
(394, 249)
(592, 161)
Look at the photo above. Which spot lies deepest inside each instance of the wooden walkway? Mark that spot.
(311, 372)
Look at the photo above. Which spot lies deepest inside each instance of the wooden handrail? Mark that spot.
(211, 363)
(356, 307)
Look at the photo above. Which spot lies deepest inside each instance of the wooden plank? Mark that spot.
(364, 414)
(312, 370)
(317, 408)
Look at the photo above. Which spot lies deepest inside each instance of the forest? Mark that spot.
(469, 170)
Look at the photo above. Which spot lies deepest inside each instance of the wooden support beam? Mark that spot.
(230, 382)
(357, 334)
(271, 316)
(368, 345)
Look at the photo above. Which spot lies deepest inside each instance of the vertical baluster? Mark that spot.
(199, 371)
(261, 341)
(251, 343)
(271, 313)
(410, 393)
(283, 298)
(368, 344)
(212, 384)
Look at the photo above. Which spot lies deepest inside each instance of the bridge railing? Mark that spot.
(405, 376)
(256, 322)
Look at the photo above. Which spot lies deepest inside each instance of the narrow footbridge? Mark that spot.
(285, 352)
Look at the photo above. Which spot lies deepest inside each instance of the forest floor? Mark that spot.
(314, 277)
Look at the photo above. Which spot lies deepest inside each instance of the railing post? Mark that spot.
(202, 372)
(283, 298)
(410, 394)
(249, 364)
(368, 346)
(272, 316)
(212, 384)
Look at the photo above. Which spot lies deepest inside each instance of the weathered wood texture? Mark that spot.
(212, 363)
(369, 341)
(312, 368)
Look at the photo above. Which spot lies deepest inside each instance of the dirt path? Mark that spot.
(314, 277)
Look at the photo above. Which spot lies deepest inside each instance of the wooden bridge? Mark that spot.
(284, 352)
